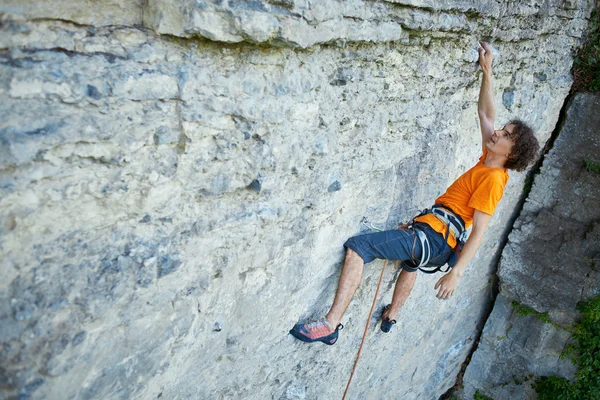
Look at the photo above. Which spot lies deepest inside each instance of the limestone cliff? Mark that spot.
(177, 179)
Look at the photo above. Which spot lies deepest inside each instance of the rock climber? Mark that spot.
(436, 237)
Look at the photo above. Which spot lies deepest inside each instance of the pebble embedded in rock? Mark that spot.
(508, 98)
(167, 264)
(78, 338)
(334, 187)
(93, 92)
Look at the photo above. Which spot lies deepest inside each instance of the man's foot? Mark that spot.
(386, 322)
(317, 331)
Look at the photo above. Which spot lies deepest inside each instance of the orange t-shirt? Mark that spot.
(479, 188)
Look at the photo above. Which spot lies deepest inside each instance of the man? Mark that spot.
(431, 239)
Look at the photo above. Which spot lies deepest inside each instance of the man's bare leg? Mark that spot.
(404, 284)
(349, 281)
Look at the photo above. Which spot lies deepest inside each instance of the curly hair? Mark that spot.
(525, 146)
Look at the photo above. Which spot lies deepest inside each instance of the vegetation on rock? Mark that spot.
(586, 66)
(592, 166)
(479, 396)
(524, 311)
(586, 355)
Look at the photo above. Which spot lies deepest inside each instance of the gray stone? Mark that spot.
(32, 386)
(334, 187)
(164, 135)
(111, 12)
(167, 264)
(93, 92)
(508, 98)
(78, 338)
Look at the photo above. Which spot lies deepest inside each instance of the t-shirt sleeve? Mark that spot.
(487, 195)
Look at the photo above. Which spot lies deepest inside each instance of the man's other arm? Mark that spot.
(485, 105)
(448, 282)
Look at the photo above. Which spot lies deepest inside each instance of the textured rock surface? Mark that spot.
(549, 264)
(171, 204)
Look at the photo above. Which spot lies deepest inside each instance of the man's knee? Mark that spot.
(351, 254)
(407, 276)
(350, 245)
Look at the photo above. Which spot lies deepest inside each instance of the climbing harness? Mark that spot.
(454, 224)
(446, 216)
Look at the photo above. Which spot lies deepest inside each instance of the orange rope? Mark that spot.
(366, 328)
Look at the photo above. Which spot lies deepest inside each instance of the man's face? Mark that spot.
(501, 142)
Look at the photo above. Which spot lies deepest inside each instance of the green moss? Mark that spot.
(589, 260)
(592, 166)
(586, 66)
(586, 346)
(524, 311)
(521, 309)
(544, 317)
(480, 396)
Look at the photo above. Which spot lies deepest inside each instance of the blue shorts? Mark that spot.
(401, 244)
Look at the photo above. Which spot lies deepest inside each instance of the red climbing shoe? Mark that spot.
(317, 331)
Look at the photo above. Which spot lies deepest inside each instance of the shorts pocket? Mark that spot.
(441, 259)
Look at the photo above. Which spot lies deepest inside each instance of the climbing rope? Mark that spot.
(367, 326)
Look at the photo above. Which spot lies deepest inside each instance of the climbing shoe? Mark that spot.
(317, 331)
(386, 323)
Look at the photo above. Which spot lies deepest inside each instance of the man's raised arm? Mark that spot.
(485, 106)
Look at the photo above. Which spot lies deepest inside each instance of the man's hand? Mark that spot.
(447, 285)
(448, 282)
(485, 57)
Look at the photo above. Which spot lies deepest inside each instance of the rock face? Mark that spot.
(177, 180)
(549, 264)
